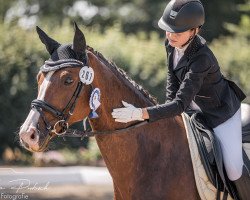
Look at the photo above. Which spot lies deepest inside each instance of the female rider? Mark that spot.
(195, 80)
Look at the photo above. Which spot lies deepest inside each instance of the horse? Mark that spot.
(150, 161)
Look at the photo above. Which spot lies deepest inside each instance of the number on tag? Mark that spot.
(86, 75)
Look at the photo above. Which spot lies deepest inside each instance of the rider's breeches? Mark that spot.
(229, 134)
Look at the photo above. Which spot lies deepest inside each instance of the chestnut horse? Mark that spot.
(149, 162)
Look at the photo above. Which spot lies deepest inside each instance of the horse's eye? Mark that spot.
(68, 81)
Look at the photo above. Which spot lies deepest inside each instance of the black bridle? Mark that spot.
(62, 116)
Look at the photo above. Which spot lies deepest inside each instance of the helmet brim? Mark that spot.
(162, 25)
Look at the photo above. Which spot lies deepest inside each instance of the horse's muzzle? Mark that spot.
(30, 138)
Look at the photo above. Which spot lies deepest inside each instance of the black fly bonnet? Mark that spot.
(62, 56)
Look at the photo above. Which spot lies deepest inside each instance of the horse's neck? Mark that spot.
(114, 88)
(151, 152)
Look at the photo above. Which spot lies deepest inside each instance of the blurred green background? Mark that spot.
(124, 31)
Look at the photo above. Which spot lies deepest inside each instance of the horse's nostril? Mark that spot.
(31, 133)
(32, 136)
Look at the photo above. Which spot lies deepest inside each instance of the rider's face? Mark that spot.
(179, 39)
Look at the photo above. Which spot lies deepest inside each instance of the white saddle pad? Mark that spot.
(205, 188)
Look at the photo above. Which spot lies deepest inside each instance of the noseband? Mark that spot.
(62, 116)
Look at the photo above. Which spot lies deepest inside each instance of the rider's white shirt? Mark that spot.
(178, 53)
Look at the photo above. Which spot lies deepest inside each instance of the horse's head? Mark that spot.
(59, 91)
(68, 92)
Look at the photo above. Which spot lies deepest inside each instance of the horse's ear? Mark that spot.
(79, 42)
(51, 45)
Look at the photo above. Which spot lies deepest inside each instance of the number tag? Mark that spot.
(86, 75)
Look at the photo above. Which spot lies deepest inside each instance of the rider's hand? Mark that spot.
(127, 114)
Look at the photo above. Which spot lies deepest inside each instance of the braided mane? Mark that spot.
(121, 72)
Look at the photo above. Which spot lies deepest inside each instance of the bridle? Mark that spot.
(62, 116)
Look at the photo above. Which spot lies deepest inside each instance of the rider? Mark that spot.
(195, 80)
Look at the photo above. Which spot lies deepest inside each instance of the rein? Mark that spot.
(85, 133)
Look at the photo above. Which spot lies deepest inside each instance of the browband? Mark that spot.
(56, 65)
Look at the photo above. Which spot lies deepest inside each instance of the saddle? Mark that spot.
(210, 155)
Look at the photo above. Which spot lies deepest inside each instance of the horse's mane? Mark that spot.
(119, 71)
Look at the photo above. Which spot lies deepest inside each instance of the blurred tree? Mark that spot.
(219, 12)
(27, 13)
(233, 53)
(134, 15)
(4, 6)
(143, 15)
(18, 56)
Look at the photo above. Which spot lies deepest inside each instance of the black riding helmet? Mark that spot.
(182, 15)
